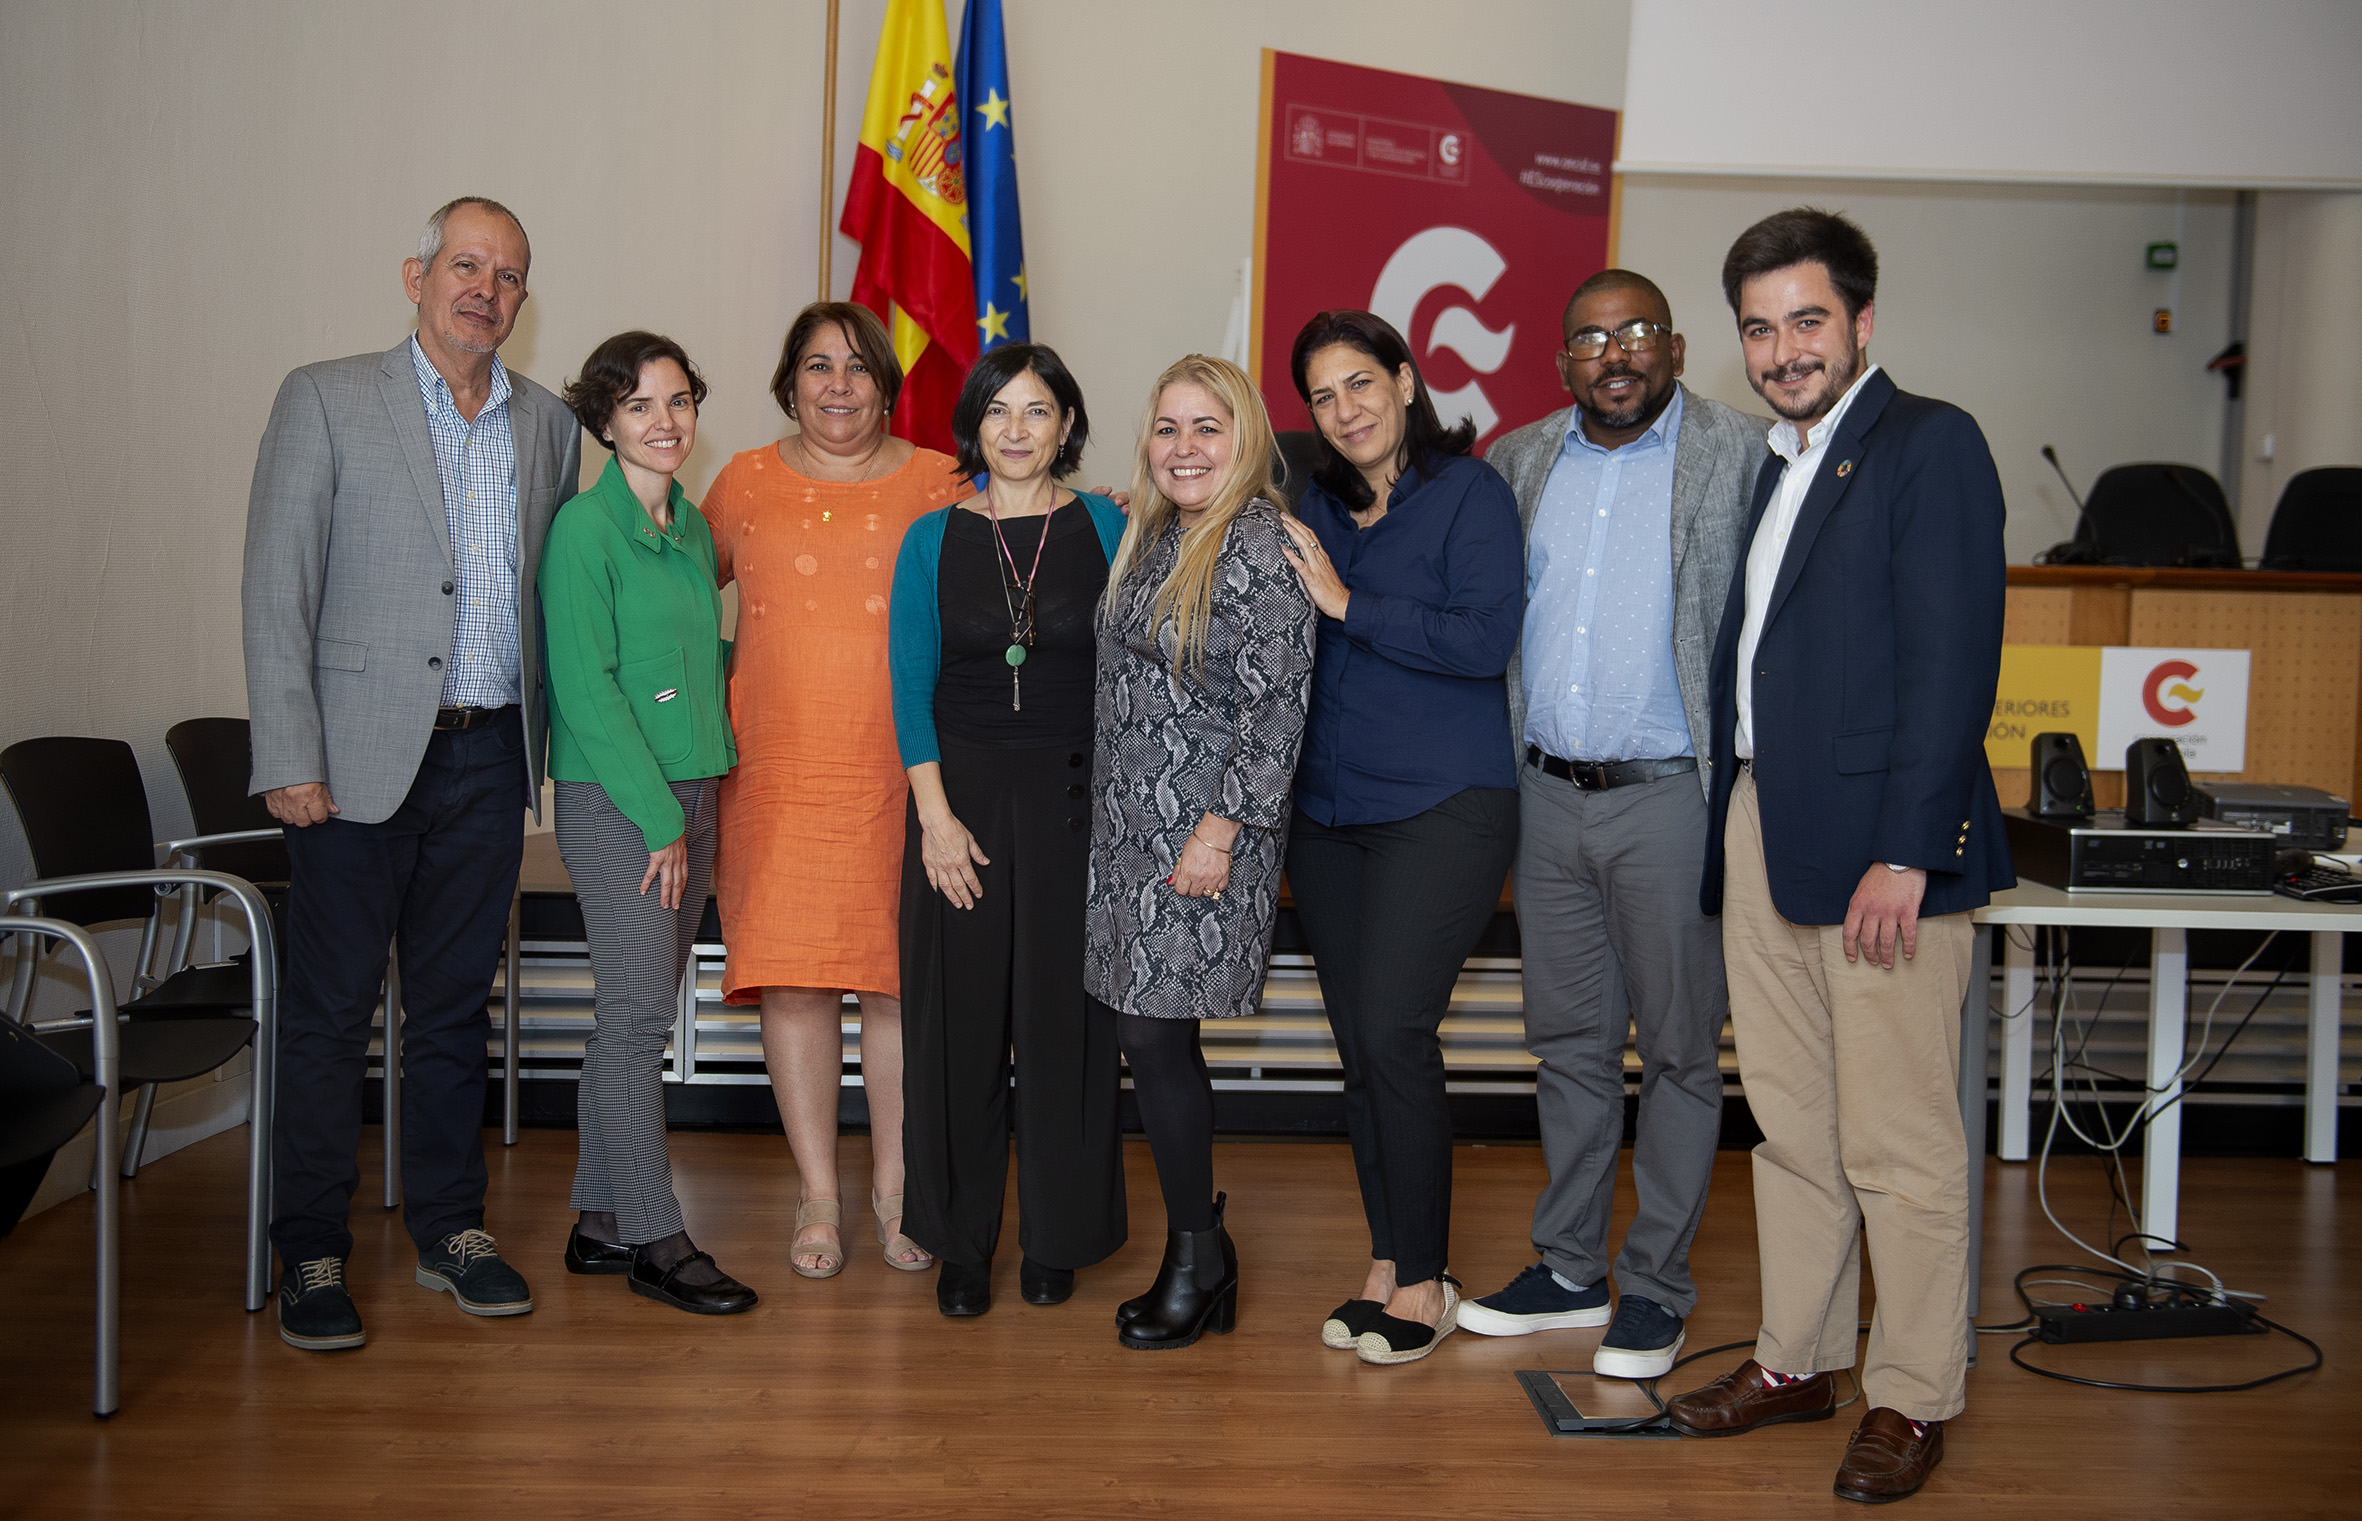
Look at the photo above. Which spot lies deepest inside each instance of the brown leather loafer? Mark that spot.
(1885, 1461)
(1741, 1401)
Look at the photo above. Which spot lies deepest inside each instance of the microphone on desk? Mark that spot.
(2077, 550)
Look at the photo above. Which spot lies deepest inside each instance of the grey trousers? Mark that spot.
(1607, 912)
(638, 950)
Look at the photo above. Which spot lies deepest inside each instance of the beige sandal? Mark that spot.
(830, 1253)
(895, 1242)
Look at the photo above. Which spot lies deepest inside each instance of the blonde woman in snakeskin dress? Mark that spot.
(1205, 671)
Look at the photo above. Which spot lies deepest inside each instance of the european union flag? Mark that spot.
(996, 240)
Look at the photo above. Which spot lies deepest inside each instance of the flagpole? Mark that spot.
(828, 154)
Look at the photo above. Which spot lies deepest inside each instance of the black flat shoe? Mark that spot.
(592, 1258)
(963, 1288)
(729, 1297)
(1342, 1330)
(1044, 1285)
(1196, 1291)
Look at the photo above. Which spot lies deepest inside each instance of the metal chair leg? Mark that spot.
(393, 1083)
(509, 1024)
(137, 1147)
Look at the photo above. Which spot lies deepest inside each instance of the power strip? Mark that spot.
(2102, 1322)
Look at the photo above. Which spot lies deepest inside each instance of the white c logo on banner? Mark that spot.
(1451, 256)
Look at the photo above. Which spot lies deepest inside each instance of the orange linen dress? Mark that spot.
(808, 864)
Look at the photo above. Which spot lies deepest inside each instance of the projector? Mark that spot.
(2304, 818)
(2102, 855)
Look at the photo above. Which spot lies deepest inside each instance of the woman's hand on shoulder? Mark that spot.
(1321, 581)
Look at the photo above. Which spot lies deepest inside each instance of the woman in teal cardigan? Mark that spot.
(639, 732)
(991, 642)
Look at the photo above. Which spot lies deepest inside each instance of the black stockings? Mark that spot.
(1176, 1098)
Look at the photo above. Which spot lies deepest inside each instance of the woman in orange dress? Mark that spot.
(809, 860)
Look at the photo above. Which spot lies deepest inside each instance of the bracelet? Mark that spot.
(1208, 844)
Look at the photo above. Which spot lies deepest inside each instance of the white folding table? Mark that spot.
(2168, 918)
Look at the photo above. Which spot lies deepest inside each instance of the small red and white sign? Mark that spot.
(2196, 698)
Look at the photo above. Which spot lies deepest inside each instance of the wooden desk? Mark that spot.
(2304, 703)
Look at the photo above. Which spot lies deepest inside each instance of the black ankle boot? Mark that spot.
(963, 1288)
(1132, 1309)
(1196, 1290)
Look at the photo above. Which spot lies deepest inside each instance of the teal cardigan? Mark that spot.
(914, 624)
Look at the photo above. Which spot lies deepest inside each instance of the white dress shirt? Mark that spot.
(1770, 546)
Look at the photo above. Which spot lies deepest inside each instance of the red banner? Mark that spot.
(1465, 217)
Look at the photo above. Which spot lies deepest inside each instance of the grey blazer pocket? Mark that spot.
(1864, 750)
(338, 655)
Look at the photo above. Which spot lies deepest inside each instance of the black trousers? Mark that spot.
(1391, 912)
(996, 989)
(435, 879)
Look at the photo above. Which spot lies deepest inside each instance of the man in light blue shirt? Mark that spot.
(1634, 501)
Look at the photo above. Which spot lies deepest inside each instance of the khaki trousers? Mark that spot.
(1852, 1072)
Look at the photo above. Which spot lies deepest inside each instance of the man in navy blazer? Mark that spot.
(1853, 826)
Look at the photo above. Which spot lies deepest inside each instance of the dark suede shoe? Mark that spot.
(1044, 1285)
(467, 1266)
(593, 1258)
(1887, 1460)
(1741, 1401)
(315, 1312)
(963, 1288)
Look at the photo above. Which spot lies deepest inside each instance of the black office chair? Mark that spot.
(1299, 453)
(44, 1103)
(2318, 522)
(85, 817)
(215, 758)
(2159, 514)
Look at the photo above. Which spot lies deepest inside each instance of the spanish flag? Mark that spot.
(908, 206)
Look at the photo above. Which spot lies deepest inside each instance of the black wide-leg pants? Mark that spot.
(1391, 912)
(996, 989)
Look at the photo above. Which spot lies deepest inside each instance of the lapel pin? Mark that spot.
(1844, 469)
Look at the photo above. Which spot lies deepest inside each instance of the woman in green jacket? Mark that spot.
(639, 732)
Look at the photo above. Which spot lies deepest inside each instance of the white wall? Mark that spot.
(2304, 367)
(2027, 305)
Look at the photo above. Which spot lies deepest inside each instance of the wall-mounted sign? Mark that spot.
(2046, 689)
(1463, 216)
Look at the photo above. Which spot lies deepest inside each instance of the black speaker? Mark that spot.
(2062, 782)
(2157, 790)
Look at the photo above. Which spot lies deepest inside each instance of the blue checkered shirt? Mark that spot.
(478, 464)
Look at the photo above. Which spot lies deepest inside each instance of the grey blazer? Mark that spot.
(348, 596)
(1715, 460)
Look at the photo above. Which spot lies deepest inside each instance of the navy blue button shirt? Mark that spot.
(1408, 705)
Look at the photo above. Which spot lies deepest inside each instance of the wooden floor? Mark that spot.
(853, 1398)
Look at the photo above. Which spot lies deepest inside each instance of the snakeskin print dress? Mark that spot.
(1173, 745)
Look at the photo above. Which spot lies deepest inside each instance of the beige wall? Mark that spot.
(2027, 305)
(2304, 369)
(199, 196)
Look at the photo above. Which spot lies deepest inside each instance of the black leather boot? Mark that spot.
(1196, 1290)
(1131, 1309)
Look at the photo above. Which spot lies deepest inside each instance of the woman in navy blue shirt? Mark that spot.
(1406, 801)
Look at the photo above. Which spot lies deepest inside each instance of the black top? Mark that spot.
(972, 694)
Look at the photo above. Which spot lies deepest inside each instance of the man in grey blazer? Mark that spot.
(393, 678)
(1634, 500)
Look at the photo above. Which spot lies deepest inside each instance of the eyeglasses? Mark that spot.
(1632, 338)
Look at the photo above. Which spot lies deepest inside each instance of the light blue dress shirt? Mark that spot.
(1600, 683)
(478, 465)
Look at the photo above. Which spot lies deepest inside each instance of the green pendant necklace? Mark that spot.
(1018, 600)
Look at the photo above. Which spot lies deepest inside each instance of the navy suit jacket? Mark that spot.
(1875, 672)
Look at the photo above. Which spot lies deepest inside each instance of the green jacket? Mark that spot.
(636, 658)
